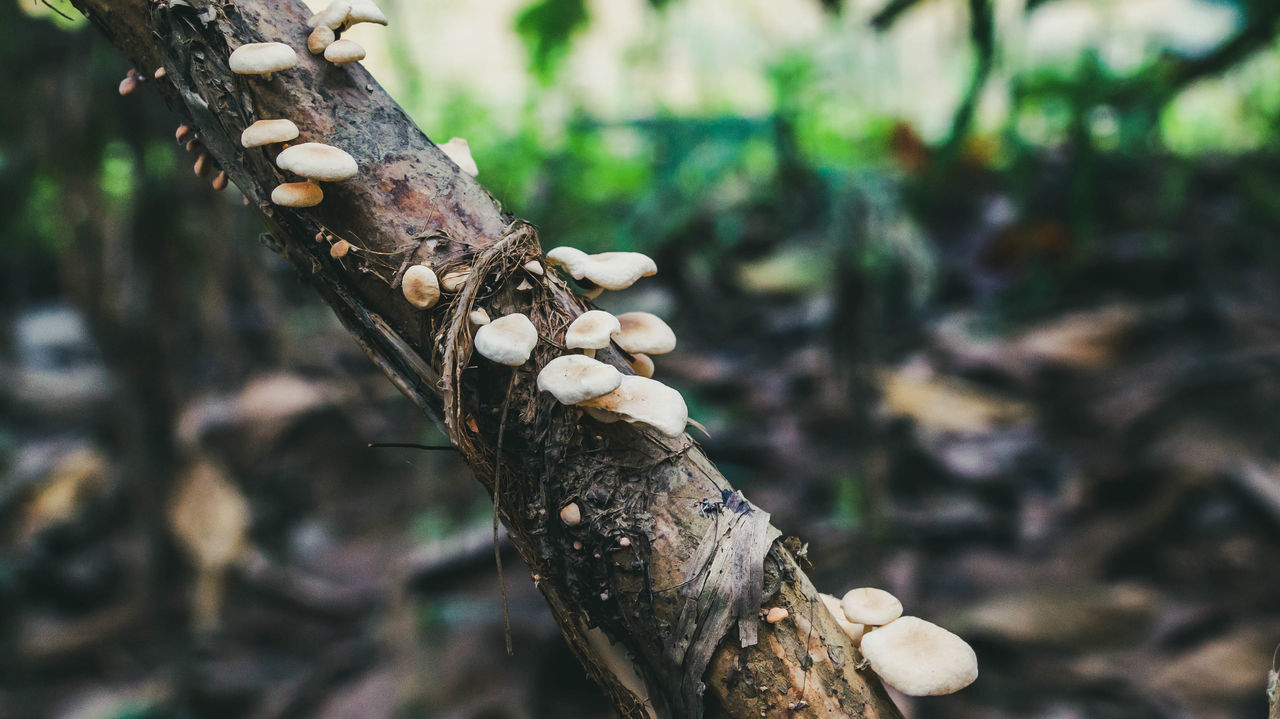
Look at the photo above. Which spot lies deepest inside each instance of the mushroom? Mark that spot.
(642, 364)
(508, 340)
(297, 194)
(776, 614)
(460, 152)
(478, 316)
(591, 331)
(644, 401)
(317, 161)
(262, 58)
(420, 286)
(577, 378)
(868, 605)
(339, 249)
(919, 658)
(610, 270)
(343, 51)
(534, 267)
(320, 38)
(365, 11)
(644, 332)
(266, 132)
(571, 515)
(331, 17)
(454, 279)
(853, 629)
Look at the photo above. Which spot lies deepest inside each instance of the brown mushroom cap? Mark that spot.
(644, 332)
(262, 58)
(420, 286)
(317, 161)
(266, 132)
(919, 658)
(507, 340)
(297, 194)
(868, 605)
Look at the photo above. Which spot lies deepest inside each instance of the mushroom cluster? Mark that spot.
(328, 24)
(916, 657)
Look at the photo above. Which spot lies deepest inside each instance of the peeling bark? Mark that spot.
(681, 596)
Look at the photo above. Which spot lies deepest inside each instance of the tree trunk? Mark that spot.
(659, 621)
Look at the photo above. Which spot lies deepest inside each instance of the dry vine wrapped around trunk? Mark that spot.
(667, 622)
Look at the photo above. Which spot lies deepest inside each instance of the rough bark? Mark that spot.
(659, 621)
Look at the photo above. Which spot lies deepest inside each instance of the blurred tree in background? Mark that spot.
(978, 297)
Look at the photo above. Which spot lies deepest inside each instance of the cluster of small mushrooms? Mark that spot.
(580, 380)
(916, 657)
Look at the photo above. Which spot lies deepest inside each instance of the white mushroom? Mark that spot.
(610, 270)
(868, 605)
(459, 151)
(507, 340)
(262, 58)
(571, 515)
(297, 194)
(317, 161)
(267, 132)
(591, 331)
(365, 11)
(642, 364)
(919, 658)
(853, 629)
(420, 287)
(343, 51)
(320, 38)
(644, 332)
(478, 316)
(578, 378)
(331, 17)
(642, 400)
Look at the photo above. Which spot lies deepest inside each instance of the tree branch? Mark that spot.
(652, 594)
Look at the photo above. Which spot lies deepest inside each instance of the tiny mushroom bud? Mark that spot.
(868, 605)
(460, 152)
(319, 39)
(524, 286)
(262, 58)
(201, 168)
(344, 51)
(478, 316)
(642, 364)
(332, 17)
(420, 287)
(644, 401)
(266, 132)
(192, 145)
(219, 181)
(571, 515)
(644, 332)
(534, 267)
(776, 614)
(624, 542)
(160, 72)
(339, 249)
(182, 134)
(454, 279)
(317, 161)
(508, 340)
(591, 331)
(297, 194)
(128, 84)
(365, 11)
(919, 658)
(577, 378)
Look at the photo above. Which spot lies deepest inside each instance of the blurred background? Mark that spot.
(978, 297)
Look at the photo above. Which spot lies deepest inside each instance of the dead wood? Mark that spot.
(684, 593)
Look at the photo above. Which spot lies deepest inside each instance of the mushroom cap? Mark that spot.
(591, 330)
(853, 629)
(331, 17)
(344, 50)
(644, 332)
(578, 378)
(642, 364)
(266, 132)
(317, 162)
(610, 270)
(919, 658)
(297, 194)
(868, 605)
(571, 515)
(365, 11)
(507, 340)
(645, 401)
(262, 58)
(478, 316)
(420, 286)
(320, 38)
(460, 152)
